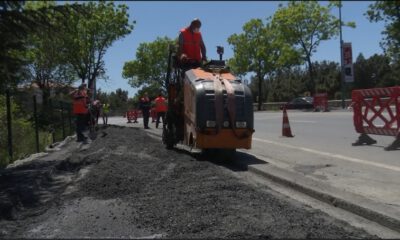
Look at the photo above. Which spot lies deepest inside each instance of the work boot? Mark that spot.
(395, 145)
(364, 139)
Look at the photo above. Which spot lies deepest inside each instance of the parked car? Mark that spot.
(300, 103)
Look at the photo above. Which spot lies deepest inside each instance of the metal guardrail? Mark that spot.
(271, 106)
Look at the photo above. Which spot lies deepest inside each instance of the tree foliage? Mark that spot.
(389, 12)
(290, 82)
(55, 39)
(150, 66)
(15, 26)
(327, 75)
(118, 100)
(287, 83)
(46, 63)
(88, 35)
(304, 24)
(376, 71)
(260, 51)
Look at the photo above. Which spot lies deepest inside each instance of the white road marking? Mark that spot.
(327, 154)
(300, 121)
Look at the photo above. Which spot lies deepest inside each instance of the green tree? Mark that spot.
(327, 75)
(305, 24)
(287, 84)
(88, 35)
(389, 12)
(375, 71)
(15, 25)
(363, 77)
(150, 66)
(47, 64)
(260, 51)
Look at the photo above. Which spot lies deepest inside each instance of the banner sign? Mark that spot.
(348, 63)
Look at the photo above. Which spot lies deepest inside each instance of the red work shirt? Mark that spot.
(161, 104)
(79, 103)
(191, 44)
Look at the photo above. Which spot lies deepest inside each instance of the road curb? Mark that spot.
(366, 208)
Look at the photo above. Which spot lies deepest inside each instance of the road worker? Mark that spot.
(161, 109)
(96, 110)
(145, 106)
(80, 110)
(191, 49)
(104, 113)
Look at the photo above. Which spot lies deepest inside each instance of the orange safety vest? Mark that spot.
(79, 103)
(191, 44)
(161, 105)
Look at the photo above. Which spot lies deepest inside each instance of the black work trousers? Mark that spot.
(146, 116)
(81, 123)
(160, 115)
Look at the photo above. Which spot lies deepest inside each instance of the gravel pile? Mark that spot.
(128, 185)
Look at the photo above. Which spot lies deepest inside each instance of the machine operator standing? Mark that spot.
(191, 49)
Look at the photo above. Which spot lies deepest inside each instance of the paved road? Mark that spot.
(321, 150)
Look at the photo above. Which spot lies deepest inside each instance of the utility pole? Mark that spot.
(342, 83)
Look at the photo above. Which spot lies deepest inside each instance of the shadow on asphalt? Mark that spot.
(377, 146)
(243, 160)
(238, 163)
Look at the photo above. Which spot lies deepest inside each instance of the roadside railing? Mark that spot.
(28, 125)
(275, 106)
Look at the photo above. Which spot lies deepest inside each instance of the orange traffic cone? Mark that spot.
(286, 132)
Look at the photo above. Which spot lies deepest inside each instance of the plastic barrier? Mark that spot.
(132, 115)
(321, 102)
(377, 111)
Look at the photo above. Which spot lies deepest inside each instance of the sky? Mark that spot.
(220, 19)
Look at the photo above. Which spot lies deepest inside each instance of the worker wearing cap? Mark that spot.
(191, 49)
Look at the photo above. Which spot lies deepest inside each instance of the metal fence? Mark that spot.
(273, 106)
(29, 124)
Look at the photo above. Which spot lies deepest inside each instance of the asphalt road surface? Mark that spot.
(322, 150)
(321, 153)
(126, 185)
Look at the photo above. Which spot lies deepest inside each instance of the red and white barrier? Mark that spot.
(377, 111)
(132, 115)
(321, 102)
